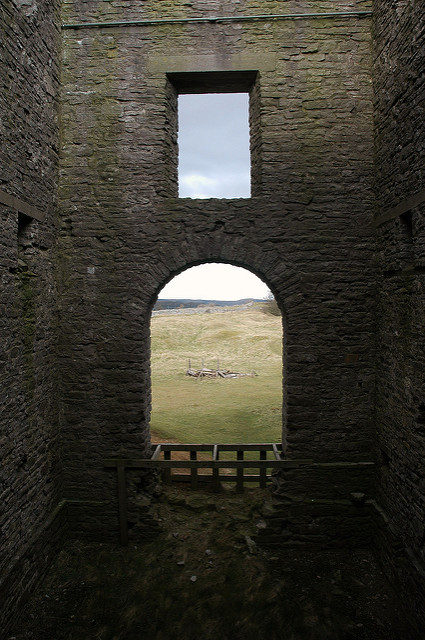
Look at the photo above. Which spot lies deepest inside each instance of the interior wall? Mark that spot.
(399, 62)
(306, 231)
(29, 79)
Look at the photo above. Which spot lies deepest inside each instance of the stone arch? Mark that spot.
(276, 283)
(234, 263)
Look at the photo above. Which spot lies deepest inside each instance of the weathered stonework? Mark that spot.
(400, 152)
(322, 229)
(306, 231)
(29, 445)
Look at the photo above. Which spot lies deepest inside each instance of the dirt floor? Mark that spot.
(204, 578)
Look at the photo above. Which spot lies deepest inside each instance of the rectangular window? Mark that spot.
(407, 238)
(213, 139)
(24, 225)
(216, 119)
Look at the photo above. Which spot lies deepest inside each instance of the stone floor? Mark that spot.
(204, 578)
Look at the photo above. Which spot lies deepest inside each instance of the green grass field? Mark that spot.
(220, 410)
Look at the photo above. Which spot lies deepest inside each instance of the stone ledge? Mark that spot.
(21, 206)
(403, 207)
(217, 62)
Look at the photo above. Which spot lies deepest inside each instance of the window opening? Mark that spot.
(407, 237)
(420, 418)
(24, 223)
(217, 316)
(214, 145)
(406, 220)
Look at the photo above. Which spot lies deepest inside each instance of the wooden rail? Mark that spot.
(161, 458)
(166, 464)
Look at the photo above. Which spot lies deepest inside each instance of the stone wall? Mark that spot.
(29, 62)
(399, 59)
(306, 231)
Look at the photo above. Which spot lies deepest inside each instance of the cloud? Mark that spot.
(214, 156)
(215, 281)
(197, 186)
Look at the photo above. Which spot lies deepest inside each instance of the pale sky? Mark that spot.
(215, 282)
(214, 156)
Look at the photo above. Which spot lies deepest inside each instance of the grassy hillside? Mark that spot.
(180, 303)
(218, 410)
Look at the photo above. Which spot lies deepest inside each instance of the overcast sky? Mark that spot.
(214, 158)
(215, 282)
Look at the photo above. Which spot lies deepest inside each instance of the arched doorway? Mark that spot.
(216, 358)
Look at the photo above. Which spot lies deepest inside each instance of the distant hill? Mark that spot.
(186, 303)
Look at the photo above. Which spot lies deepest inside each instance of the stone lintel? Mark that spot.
(400, 209)
(21, 206)
(217, 62)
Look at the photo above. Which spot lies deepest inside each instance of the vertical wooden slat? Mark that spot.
(263, 470)
(156, 453)
(276, 452)
(239, 472)
(193, 472)
(216, 478)
(167, 472)
(122, 503)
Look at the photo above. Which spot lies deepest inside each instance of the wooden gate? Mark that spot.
(225, 462)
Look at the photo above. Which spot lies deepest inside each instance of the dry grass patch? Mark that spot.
(235, 410)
